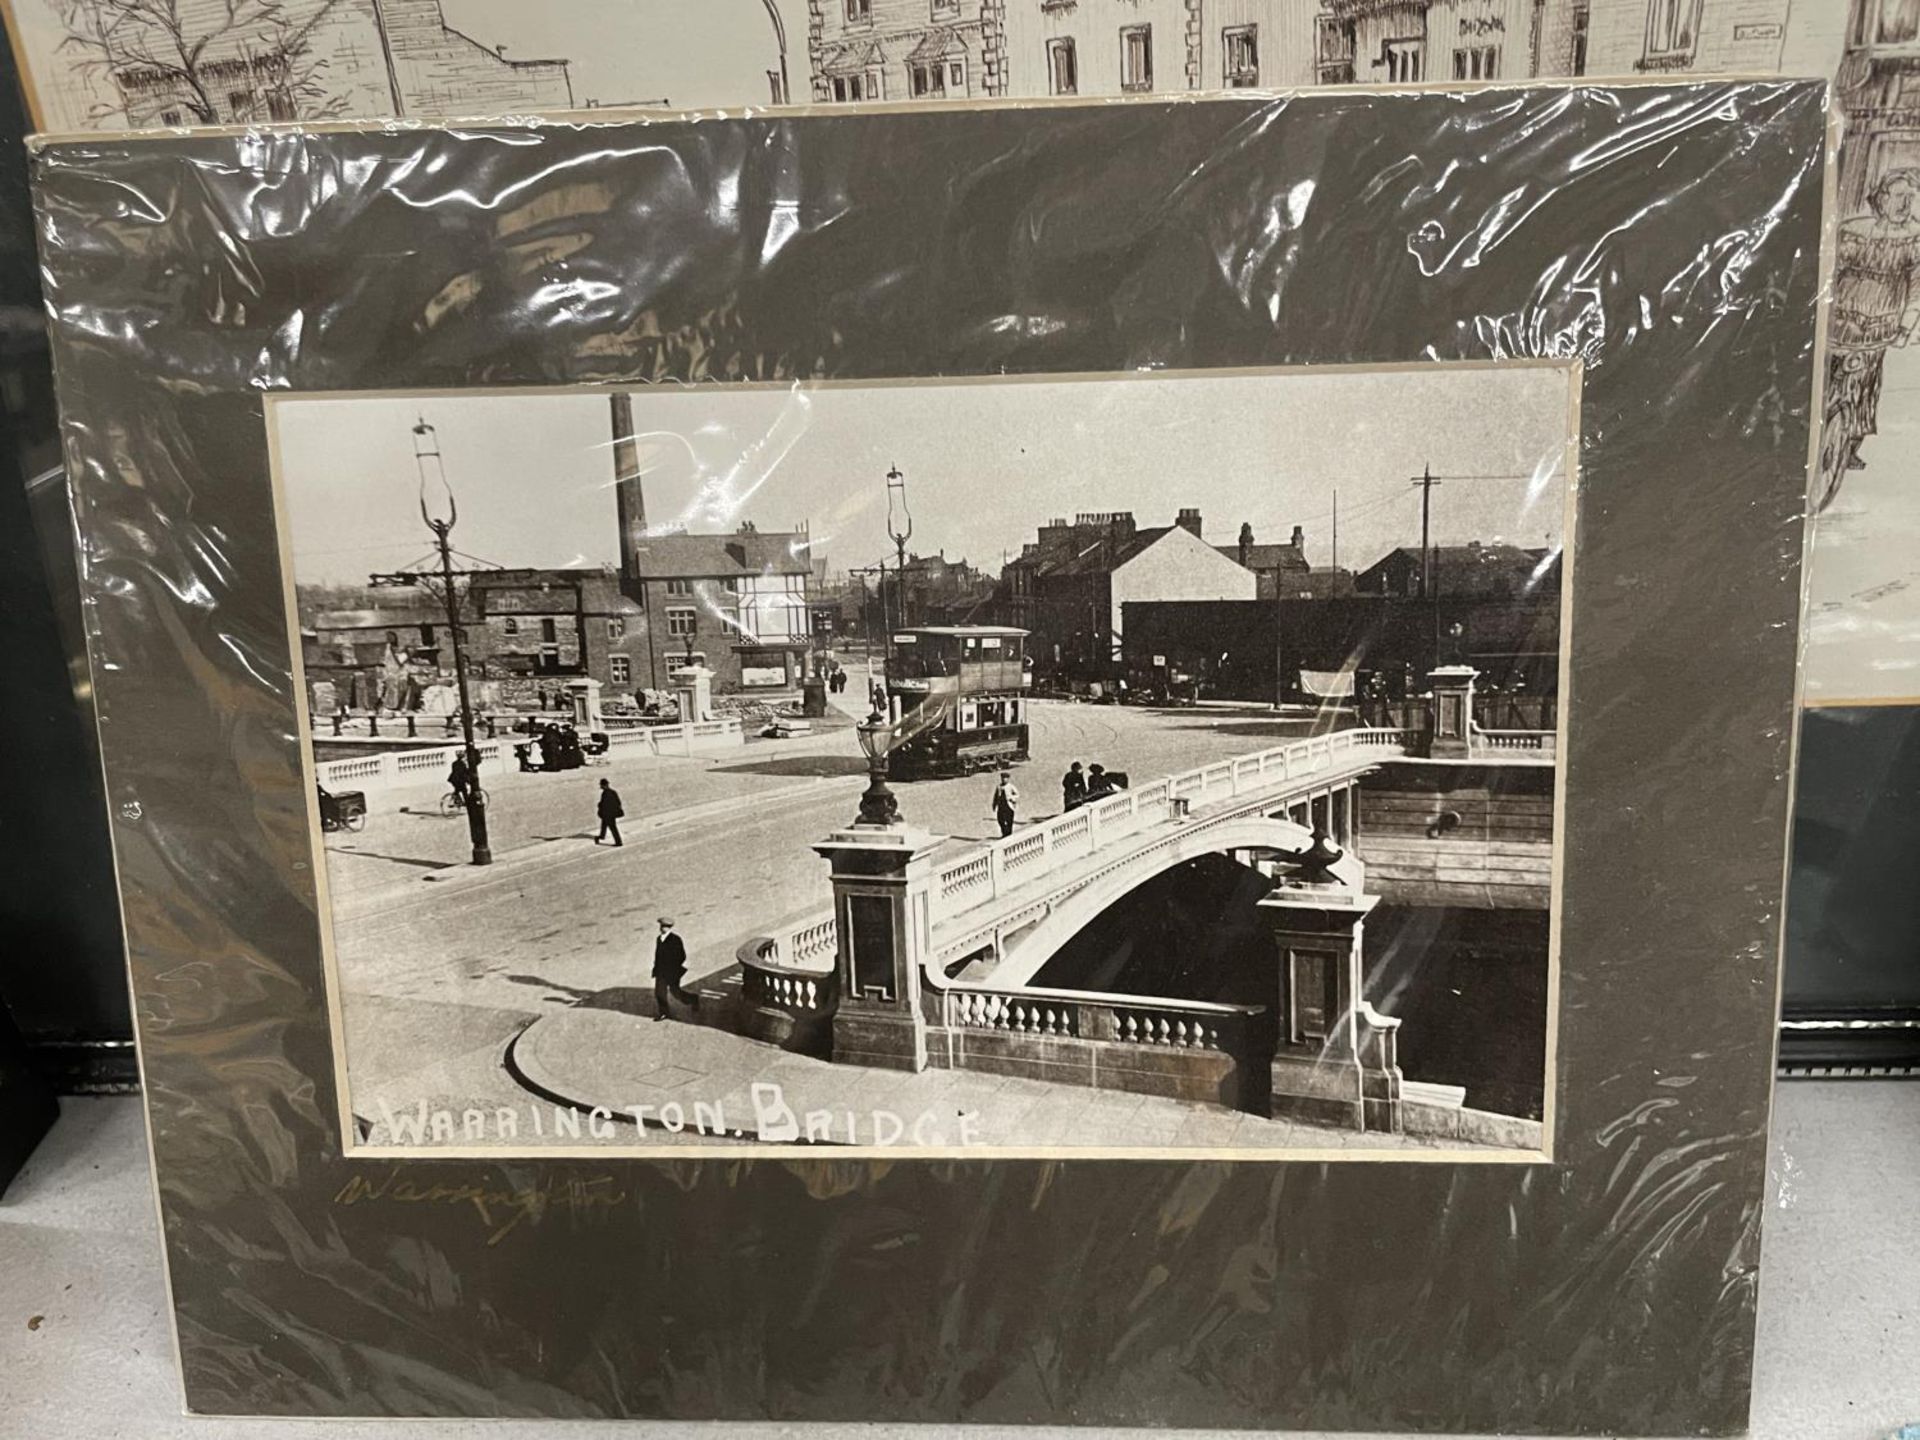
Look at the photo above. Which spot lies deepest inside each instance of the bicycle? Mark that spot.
(450, 803)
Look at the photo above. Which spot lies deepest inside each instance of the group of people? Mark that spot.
(837, 678)
(560, 748)
(1077, 787)
(1082, 787)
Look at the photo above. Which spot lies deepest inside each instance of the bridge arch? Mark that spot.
(1032, 934)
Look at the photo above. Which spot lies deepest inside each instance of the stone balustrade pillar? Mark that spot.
(882, 906)
(1321, 1072)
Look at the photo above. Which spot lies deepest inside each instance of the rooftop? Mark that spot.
(715, 557)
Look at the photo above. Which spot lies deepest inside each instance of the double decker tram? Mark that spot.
(961, 694)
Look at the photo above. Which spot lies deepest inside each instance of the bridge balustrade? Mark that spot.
(1091, 1015)
(1019, 860)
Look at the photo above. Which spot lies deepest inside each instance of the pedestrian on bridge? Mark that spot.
(610, 812)
(1073, 788)
(1005, 798)
(669, 969)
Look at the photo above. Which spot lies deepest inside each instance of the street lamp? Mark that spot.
(785, 90)
(878, 808)
(899, 530)
(438, 509)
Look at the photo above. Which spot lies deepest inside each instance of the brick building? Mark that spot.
(740, 603)
(525, 633)
(1473, 569)
(1235, 648)
(1069, 586)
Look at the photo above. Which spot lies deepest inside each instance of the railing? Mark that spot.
(423, 762)
(797, 993)
(1001, 865)
(1090, 1015)
(1540, 742)
(1379, 1040)
(806, 948)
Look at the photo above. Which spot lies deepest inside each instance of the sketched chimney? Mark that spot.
(1189, 520)
(1246, 543)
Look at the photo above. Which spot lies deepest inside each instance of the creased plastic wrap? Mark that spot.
(1381, 1040)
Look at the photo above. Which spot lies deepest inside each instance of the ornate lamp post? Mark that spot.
(438, 509)
(899, 530)
(878, 808)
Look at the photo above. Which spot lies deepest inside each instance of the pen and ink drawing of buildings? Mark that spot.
(112, 63)
(202, 62)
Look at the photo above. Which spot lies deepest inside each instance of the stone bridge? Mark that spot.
(929, 953)
(1012, 903)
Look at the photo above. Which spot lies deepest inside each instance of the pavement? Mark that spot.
(440, 963)
(680, 1083)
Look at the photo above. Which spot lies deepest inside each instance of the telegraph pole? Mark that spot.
(1426, 482)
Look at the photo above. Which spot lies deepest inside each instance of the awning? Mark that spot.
(1328, 684)
(852, 59)
(937, 45)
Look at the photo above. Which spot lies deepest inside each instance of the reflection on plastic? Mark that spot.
(1668, 238)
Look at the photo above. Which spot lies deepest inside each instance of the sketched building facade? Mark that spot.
(879, 49)
(302, 60)
(1638, 37)
(907, 49)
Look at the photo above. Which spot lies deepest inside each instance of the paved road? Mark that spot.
(441, 962)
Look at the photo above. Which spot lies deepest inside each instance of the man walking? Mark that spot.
(1073, 788)
(1005, 798)
(669, 969)
(610, 812)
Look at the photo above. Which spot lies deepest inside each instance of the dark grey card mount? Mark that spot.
(1667, 236)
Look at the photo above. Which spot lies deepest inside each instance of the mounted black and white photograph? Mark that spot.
(1139, 764)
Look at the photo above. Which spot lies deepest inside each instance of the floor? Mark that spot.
(84, 1345)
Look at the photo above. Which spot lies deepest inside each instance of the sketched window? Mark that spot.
(1136, 58)
(510, 627)
(550, 631)
(1886, 25)
(957, 76)
(1063, 68)
(1333, 58)
(1476, 62)
(859, 12)
(1240, 56)
(1406, 61)
(680, 622)
(1582, 24)
(679, 587)
(1673, 29)
(169, 117)
(946, 9)
(616, 628)
(926, 82)
(619, 669)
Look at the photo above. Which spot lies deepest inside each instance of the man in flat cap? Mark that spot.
(669, 969)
